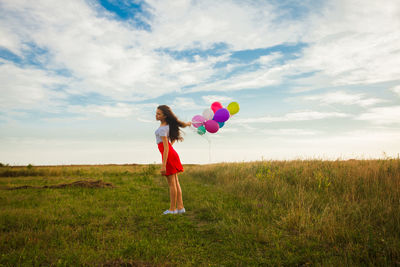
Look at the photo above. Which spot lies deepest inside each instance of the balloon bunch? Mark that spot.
(214, 118)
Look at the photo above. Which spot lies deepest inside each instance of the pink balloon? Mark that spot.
(197, 121)
(215, 106)
(211, 126)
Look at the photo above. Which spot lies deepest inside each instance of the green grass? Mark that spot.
(276, 213)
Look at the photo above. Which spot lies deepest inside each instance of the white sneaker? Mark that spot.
(181, 211)
(170, 212)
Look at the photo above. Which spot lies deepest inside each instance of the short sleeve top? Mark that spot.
(162, 131)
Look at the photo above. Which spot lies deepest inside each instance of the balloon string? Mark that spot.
(206, 138)
(209, 151)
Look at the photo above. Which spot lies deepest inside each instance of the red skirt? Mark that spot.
(173, 162)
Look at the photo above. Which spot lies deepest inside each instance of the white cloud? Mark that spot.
(117, 61)
(270, 59)
(262, 77)
(396, 90)
(9, 40)
(29, 88)
(185, 103)
(382, 115)
(348, 43)
(290, 132)
(293, 116)
(352, 42)
(201, 24)
(209, 99)
(103, 55)
(229, 130)
(343, 98)
(120, 110)
(145, 120)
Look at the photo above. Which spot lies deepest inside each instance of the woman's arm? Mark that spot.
(165, 154)
(185, 124)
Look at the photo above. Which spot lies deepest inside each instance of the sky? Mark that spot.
(80, 80)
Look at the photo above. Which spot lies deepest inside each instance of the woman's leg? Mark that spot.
(172, 191)
(179, 201)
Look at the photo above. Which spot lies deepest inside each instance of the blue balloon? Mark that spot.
(221, 124)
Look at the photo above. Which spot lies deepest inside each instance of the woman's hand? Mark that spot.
(189, 123)
(163, 170)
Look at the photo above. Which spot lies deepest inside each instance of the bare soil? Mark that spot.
(86, 184)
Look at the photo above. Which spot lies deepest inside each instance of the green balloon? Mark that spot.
(233, 108)
(201, 130)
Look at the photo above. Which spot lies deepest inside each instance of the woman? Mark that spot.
(171, 164)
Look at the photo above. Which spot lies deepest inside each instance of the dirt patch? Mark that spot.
(86, 184)
(129, 263)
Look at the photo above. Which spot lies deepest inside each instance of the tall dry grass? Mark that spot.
(349, 208)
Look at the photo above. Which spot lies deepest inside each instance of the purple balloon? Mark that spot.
(221, 115)
(211, 126)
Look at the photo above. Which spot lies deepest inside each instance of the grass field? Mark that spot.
(268, 213)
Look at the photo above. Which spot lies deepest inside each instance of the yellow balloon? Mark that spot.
(233, 108)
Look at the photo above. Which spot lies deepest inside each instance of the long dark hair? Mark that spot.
(173, 122)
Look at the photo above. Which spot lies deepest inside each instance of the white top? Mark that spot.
(162, 131)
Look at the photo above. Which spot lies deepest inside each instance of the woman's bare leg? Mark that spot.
(179, 201)
(172, 191)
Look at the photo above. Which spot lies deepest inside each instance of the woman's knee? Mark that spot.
(171, 180)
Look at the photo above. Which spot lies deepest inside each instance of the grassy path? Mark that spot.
(249, 214)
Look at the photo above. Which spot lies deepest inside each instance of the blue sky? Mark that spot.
(80, 80)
